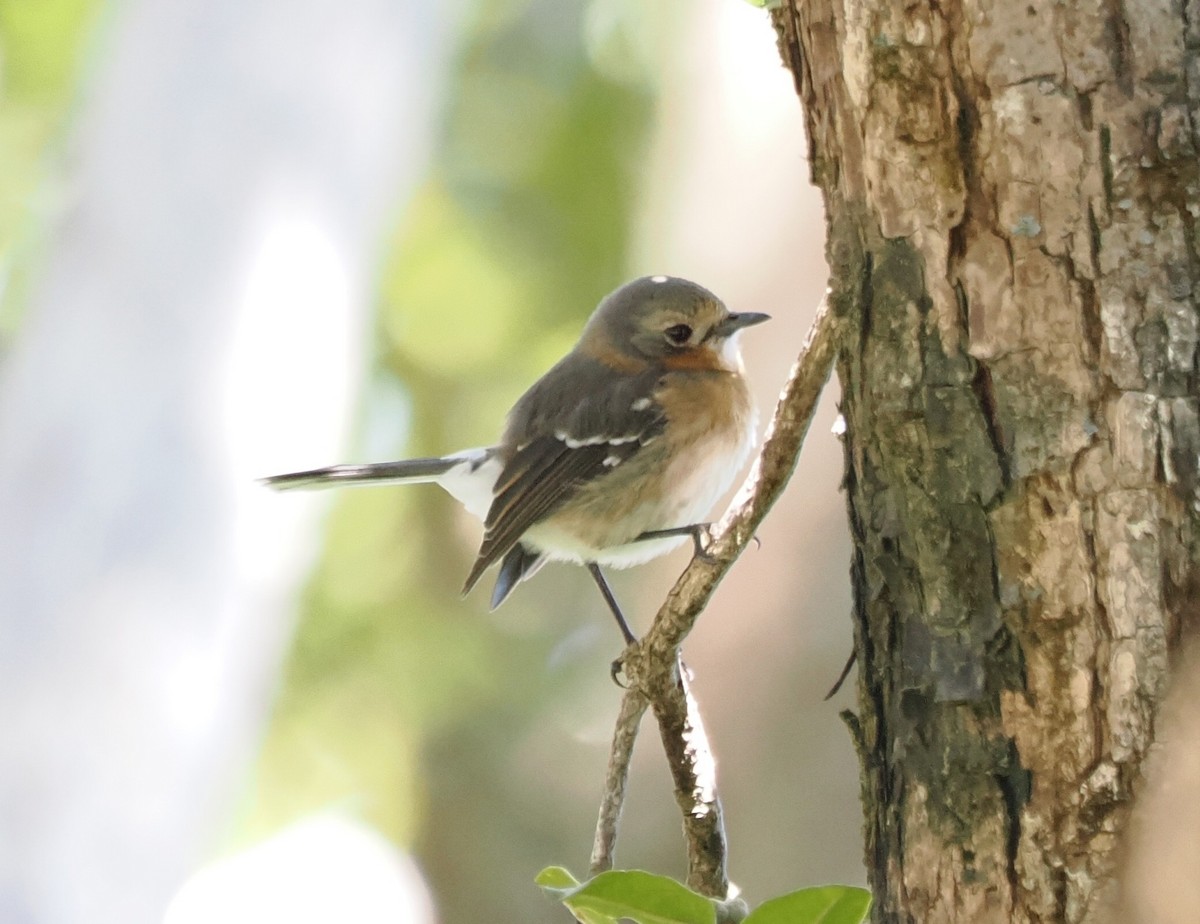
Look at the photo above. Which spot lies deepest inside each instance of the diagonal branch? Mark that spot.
(768, 477)
(653, 667)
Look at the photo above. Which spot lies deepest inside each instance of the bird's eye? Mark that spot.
(679, 334)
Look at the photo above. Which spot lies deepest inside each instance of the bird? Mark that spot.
(614, 456)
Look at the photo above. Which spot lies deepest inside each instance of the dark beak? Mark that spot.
(735, 322)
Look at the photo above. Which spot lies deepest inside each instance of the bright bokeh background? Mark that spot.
(245, 237)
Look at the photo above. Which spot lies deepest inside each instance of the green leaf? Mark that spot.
(559, 883)
(556, 879)
(634, 894)
(824, 905)
(587, 916)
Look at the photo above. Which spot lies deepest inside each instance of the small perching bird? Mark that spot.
(613, 457)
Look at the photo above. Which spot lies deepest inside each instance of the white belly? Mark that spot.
(697, 480)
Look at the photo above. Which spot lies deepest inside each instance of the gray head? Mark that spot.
(669, 319)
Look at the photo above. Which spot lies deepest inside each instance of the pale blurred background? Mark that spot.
(239, 238)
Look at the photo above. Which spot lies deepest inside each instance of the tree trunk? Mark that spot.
(1011, 191)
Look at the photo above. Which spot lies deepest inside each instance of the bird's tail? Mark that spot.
(412, 471)
(468, 476)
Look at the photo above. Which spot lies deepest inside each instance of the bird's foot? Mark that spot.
(700, 533)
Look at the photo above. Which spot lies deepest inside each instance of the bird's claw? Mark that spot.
(702, 539)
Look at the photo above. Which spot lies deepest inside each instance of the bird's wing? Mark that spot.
(559, 447)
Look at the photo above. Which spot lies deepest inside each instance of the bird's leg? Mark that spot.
(700, 533)
(606, 592)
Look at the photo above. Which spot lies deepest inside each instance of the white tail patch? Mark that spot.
(472, 482)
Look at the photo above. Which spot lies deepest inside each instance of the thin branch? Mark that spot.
(653, 666)
(633, 707)
(694, 772)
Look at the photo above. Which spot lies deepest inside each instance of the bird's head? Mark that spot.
(668, 320)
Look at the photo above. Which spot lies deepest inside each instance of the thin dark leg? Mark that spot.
(698, 532)
(607, 593)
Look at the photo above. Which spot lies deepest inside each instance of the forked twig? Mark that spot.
(656, 675)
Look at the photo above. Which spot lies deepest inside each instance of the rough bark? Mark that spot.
(1012, 192)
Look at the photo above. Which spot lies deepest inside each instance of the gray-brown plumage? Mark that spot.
(640, 428)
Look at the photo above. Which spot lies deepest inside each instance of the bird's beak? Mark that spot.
(735, 322)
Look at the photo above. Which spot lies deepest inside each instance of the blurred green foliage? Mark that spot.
(41, 44)
(400, 699)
